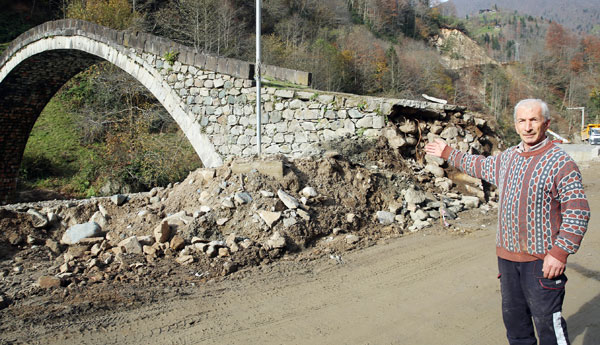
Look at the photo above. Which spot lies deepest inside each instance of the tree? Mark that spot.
(558, 40)
(116, 14)
(591, 50)
(210, 26)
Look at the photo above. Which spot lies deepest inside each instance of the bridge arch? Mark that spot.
(40, 61)
(211, 98)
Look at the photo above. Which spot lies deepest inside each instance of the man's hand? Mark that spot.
(436, 147)
(552, 267)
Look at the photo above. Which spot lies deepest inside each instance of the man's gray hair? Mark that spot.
(525, 102)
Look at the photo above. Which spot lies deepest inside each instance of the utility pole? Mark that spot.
(257, 77)
(582, 114)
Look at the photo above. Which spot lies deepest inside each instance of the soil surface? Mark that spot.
(434, 286)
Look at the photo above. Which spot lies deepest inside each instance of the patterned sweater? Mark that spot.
(542, 207)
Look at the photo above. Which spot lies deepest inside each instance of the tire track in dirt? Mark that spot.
(279, 297)
(238, 313)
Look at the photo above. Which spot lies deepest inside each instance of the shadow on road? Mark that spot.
(586, 320)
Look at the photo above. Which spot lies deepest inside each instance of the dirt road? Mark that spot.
(425, 288)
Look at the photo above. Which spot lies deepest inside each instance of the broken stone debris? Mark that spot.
(48, 282)
(118, 199)
(277, 241)
(270, 217)
(309, 192)
(243, 198)
(288, 200)
(162, 233)
(131, 245)
(352, 239)
(40, 220)
(192, 233)
(80, 231)
(385, 218)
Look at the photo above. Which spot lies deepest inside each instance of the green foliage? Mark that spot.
(54, 157)
(495, 43)
(145, 160)
(80, 89)
(593, 105)
(171, 56)
(116, 14)
(105, 127)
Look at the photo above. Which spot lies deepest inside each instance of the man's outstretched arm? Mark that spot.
(477, 166)
(436, 148)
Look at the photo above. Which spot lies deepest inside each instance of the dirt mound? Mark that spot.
(219, 221)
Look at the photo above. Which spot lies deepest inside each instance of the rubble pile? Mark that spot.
(246, 213)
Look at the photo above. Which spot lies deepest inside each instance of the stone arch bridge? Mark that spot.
(211, 98)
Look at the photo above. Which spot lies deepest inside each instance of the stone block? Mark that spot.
(284, 93)
(365, 122)
(378, 122)
(211, 63)
(355, 114)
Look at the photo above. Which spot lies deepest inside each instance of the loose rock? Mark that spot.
(222, 221)
(131, 245)
(162, 233)
(470, 201)
(309, 192)
(118, 199)
(276, 241)
(99, 219)
(185, 259)
(53, 246)
(352, 239)
(269, 217)
(79, 231)
(242, 198)
(40, 220)
(177, 243)
(414, 197)
(48, 282)
(288, 200)
(385, 218)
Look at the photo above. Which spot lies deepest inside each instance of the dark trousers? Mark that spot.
(528, 298)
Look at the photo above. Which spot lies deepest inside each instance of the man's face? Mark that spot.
(531, 125)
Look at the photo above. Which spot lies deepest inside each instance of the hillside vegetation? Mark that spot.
(581, 16)
(373, 47)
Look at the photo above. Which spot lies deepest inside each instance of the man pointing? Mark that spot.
(542, 216)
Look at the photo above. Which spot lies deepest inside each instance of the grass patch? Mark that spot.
(54, 157)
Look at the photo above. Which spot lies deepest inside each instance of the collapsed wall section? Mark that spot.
(295, 122)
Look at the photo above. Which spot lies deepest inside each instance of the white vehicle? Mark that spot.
(594, 136)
